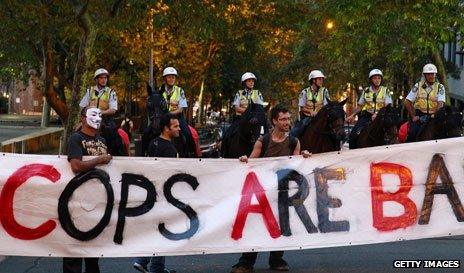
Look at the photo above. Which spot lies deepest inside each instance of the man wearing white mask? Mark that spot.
(86, 142)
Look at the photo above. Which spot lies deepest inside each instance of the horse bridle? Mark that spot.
(331, 118)
(386, 137)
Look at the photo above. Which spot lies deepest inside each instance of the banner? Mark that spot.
(153, 206)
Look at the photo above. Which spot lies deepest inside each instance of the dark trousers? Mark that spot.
(300, 126)
(188, 136)
(74, 265)
(249, 258)
(157, 263)
(416, 127)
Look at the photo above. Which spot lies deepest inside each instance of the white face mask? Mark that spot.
(93, 117)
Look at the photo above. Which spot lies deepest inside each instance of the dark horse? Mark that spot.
(383, 130)
(114, 141)
(241, 141)
(447, 123)
(156, 106)
(326, 132)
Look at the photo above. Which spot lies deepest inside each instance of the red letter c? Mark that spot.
(6, 201)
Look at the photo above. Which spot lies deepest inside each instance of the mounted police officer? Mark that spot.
(372, 99)
(102, 97)
(242, 99)
(176, 104)
(311, 100)
(424, 100)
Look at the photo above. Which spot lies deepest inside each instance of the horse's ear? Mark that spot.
(343, 102)
(149, 89)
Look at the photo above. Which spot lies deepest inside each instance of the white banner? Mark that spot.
(148, 206)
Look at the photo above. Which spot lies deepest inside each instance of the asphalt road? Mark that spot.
(359, 259)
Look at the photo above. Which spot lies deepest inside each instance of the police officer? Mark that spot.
(373, 98)
(176, 104)
(102, 97)
(246, 95)
(424, 99)
(311, 100)
(242, 99)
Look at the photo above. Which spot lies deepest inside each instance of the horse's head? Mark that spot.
(389, 118)
(156, 105)
(335, 119)
(451, 119)
(254, 118)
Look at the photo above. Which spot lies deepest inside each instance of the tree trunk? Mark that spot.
(85, 25)
(200, 102)
(53, 100)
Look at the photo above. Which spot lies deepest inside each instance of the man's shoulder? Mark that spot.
(76, 136)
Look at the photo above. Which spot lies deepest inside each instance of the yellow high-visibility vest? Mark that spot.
(101, 102)
(427, 102)
(244, 98)
(315, 102)
(371, 106)
(173, 101)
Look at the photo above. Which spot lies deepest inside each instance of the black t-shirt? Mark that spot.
(81, 144)
(160, 147)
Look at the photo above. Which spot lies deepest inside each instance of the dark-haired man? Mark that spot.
(276, 143)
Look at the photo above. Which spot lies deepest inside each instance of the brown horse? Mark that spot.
(326, 132)
(383, 130)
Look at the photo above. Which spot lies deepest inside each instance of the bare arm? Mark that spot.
(255, 153)
(297, 148)
(109, 112)
(256, 149)
(307, 110)
(179, 111)
(78, 165)
(355, 112)
(410, 108)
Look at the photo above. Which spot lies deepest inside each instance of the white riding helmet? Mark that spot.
(101, 71)
(375, 72)
(315, 74)
(169, 71)
(429, 68)
(247, 76)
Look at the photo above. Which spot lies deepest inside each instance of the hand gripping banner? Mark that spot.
(152, 206)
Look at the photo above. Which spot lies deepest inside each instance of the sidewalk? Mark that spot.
(24, 120)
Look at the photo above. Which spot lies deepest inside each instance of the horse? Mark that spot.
(447, 123)
(156, 106)
(383, 130)
(325, 132)
(116, 143)
(241, 140)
